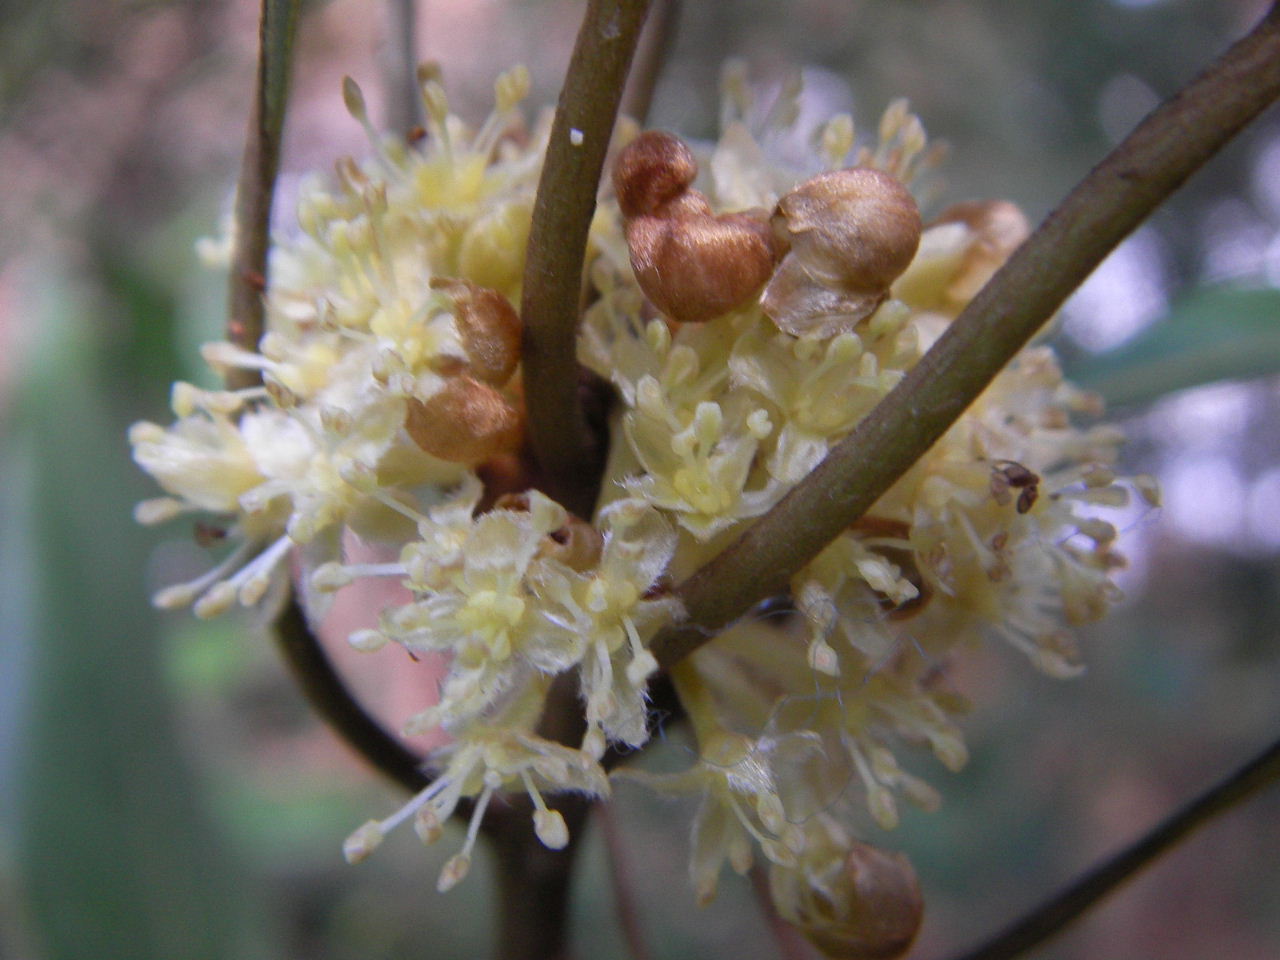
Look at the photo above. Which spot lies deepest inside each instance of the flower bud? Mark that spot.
(651, 170)
(489, 327)
(697, 267)
(492, 249)
(465, 422)
(850, 233)
(868, 908)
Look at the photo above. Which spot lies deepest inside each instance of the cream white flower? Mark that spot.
(608, 615)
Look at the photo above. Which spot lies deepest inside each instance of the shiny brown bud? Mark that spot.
(694, 268)
(465, 422)
(874, 913)
(691, 203)
(489, 326)
(850, 234)
(651, 170)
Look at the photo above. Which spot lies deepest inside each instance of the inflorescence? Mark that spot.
(747, 313)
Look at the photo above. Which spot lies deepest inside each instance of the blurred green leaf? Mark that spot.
(1216, 333)
(118, 859)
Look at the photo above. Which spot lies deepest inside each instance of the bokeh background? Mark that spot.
(164, 792)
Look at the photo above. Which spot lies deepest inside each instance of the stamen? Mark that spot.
(383, 497)
(735, 93)
(745, 819)
(643, 663)
(158, 510)
(368, 641)
(436, 105)
(362, 842)
(252, 581)
(222, 355)
(509, 89)
(785, 110)
(353, 98)
(457, 866)
(181, 594)
(879, 798)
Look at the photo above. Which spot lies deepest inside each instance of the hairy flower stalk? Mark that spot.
(748, 313)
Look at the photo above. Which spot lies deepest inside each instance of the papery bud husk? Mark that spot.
(854, 229)
(801, 306)
(465, 422)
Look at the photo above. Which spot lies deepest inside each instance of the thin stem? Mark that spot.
(567, 452)
(256, 188)
(655, 46)
(399, 65)
(1117, 195)
(620, 873)
(791, 945)
(331, 699)
(1055, 913)
(533, 882)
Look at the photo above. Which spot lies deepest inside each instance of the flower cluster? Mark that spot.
(748, 314)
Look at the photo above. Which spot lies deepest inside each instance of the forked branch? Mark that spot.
(1117, 195)
(1062, 908)
(569, 456)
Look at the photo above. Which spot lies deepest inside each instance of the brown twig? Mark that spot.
(256, 188)
(331, 699)
(1058, 911)
(791, 945)
(569, 456)
(533, 882)
(1117, 195)
(400, 65)
(655, 46)
(624, 897)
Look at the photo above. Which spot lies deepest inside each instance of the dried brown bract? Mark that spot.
(697, 267)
